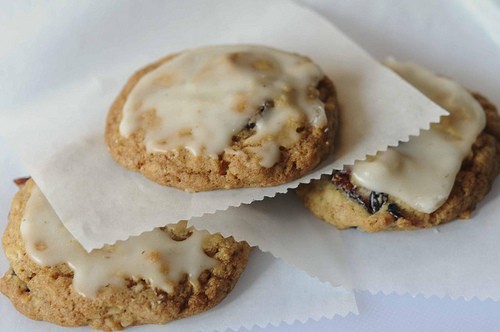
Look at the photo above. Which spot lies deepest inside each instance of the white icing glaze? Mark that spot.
(201, 98)
(270, 154)
(152, 256)
(422, 172)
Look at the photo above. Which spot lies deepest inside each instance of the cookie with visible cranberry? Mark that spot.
(337, 201)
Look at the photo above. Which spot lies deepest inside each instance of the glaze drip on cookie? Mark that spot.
(153, 256)
(422, 171)
(202, 98)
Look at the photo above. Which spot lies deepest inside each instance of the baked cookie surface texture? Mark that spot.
(433, 178)
(161, 275)
(224, 117)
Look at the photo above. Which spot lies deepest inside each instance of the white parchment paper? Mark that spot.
(59, 135)
(282, 226)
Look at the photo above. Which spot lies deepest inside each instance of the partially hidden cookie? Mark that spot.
(434, 178)
(162, 275)
(224, 117)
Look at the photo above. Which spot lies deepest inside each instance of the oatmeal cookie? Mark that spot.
(224, 117)
(337, 199)
(104, 296)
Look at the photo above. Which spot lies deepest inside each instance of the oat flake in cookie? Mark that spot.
(162, 275)
(434, 178)
(224, 117)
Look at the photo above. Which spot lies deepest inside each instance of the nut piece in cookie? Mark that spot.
(434, 178)
(224, 117)
(156, 277)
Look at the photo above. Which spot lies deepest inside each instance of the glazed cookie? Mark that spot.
(162, 275)
(434, 178)
(224, 117)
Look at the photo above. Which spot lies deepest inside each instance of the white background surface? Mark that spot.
(460, 47)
